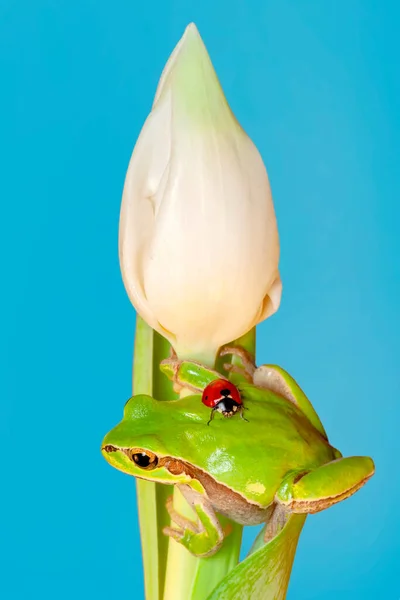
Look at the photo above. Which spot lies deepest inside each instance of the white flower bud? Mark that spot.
(199, 245)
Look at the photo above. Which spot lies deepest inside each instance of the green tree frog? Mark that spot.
(279, 462)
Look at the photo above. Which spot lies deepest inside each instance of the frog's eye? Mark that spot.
(144, 460)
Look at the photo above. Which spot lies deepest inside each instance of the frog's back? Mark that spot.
(254, 457)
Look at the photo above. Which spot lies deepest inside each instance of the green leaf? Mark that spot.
(265, 573)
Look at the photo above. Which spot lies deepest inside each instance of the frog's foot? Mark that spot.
(246, 359)
(319, 489)
(170, 367)
(188, 374)
(276, 522)
(203, 538)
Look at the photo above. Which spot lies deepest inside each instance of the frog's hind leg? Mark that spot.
(203, 538)
(277, 380)
(326, 485)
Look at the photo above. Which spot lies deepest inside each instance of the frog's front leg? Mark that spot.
(326, 485)
(203, 538)
(247, 360)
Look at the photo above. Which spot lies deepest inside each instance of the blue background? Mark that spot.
(316, 86)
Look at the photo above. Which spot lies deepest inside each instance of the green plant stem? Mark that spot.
(150, 349)
(170, 571)
(191, 578)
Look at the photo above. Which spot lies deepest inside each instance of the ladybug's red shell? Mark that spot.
(217, 391)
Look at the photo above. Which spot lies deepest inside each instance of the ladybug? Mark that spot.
(222, 396)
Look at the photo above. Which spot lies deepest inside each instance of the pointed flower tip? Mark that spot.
(191, 41)
(191, 29)
(190, 78)
(189, 45)
(192, 36)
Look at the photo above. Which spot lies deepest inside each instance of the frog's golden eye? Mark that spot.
(144, 460)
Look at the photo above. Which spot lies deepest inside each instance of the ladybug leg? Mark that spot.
(241, 409)
(246, 358)
(212, 415)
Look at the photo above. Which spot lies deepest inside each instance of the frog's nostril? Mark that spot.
(109, 448)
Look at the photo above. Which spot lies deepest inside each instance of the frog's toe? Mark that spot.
(178, 519)
(176, 534)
